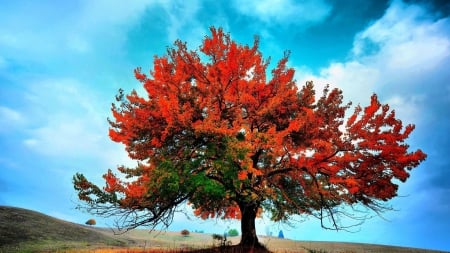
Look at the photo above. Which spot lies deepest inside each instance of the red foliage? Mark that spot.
(218, 133)
(91, 222)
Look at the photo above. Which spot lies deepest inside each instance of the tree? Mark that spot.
(91, 222)
(215, 131)
(233, 232)
(185, 232)
(280, 234)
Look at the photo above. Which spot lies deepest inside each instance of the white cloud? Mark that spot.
(355, 79)
(398, 57)
(183, 23)
(65, 137)
(64, 118)
(106, 12)
(285, 11)
(408, 107)
(31, 143)
(407, 40)
(68, 121)
(10, 119)
(49, 27)
(9, 115)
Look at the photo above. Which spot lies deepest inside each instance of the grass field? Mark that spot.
(28, 231)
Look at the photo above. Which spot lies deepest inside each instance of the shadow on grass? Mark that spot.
(231, 249)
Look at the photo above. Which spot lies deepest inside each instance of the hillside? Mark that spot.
(23, 230)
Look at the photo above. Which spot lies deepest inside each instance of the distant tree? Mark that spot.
(233, 232)
(185, 232)
(216, 132)
(91, 222)
(222, 239)
(280, 234)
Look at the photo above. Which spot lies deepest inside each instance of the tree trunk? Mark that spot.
(248, 230)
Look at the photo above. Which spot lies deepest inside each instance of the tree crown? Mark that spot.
(214, 131)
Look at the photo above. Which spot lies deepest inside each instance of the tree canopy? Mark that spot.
(216, 131)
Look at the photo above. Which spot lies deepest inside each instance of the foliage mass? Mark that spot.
(215, 131)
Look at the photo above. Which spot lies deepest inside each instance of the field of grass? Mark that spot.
(23, 230)
(28, 231)
(174, 240)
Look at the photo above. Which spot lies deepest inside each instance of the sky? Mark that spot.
(62, 62)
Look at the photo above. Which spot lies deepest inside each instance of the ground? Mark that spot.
(23, 230)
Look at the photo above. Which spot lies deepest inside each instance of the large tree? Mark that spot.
(216, 132)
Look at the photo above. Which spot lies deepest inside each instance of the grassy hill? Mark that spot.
(23, 230)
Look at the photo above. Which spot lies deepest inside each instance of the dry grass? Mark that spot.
(121, 250)
(27, 231)
(289, 246)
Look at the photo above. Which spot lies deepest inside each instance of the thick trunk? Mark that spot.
(248, 230)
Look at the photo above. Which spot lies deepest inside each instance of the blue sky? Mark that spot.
(62, 62)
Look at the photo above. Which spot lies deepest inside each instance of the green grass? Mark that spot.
(26, 231)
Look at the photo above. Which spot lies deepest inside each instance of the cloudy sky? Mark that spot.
(62, 62)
